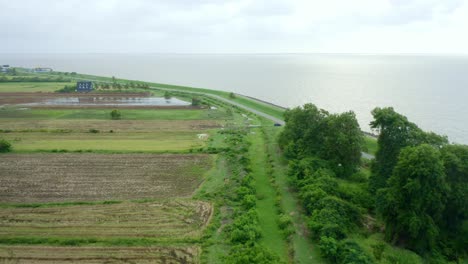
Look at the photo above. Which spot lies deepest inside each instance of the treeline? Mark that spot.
(120, 86)
(418, 185)
(321, 147)
(421, 185)
(33, 79)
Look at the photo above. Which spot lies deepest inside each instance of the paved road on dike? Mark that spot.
(217, 97)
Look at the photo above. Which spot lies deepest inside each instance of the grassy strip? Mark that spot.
(104, 114)
(42, 205)
(302, 250)
(265, 108)
(272, 236)
(95, 241)
(370, 145)
(31, 87)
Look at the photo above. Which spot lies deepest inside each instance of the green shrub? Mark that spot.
(249, 201)
(5, 146)
(251, 253)
(92, 130)
(284, 221)
(328, 248)
(67, 89)
(115, 114)
(196, 101)
(350, 252)
(378, 250)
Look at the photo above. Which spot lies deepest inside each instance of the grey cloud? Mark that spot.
(195, 25)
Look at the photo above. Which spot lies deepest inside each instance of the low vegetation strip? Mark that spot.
(21, 125)
(34, 178)
(94, 255)
(96, 140)
(168, 220)
(31, 87)
(104, 114)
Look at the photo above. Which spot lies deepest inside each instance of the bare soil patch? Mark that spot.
(34, 178)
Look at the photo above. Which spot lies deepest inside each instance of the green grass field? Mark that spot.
(122, 142)
(391, 253)
(31, 87)
(370, 145)
(104, 114)
(272, 236)
(304, 250)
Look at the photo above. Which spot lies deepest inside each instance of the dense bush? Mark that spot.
(115, 114)
(343, 252)
(251, 253)
(5, 146)
(196, 101)
(67, 89)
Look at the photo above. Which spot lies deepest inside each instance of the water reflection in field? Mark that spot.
(109, 100)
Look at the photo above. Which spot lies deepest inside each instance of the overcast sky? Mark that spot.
(244, 26)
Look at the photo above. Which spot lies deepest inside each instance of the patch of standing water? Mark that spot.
(129, 101)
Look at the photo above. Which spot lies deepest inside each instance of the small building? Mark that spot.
(4, 68)
(38, 69)
(84, 86)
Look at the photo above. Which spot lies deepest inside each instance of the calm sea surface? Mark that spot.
(431, 90)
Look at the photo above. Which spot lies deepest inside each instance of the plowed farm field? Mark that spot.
(48, 177)
(173, 220)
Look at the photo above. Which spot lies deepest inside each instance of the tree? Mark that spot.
(342, 143)
(455, 159)
(113, 79)
(336, 138)
(196, 101)
(12, 71)
(413, 203)
(167, 95)
(303, 131)
(232, 95)
(115, 114)
(395, 133)
(5, 146)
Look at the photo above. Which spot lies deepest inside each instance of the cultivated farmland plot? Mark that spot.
(162, 221)
(95, 255)
(34, 178)
(21, 125)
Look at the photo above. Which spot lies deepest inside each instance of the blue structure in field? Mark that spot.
(84, 86)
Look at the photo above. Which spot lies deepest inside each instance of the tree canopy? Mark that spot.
(395, 133)
(337, 138)
(414, 200)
